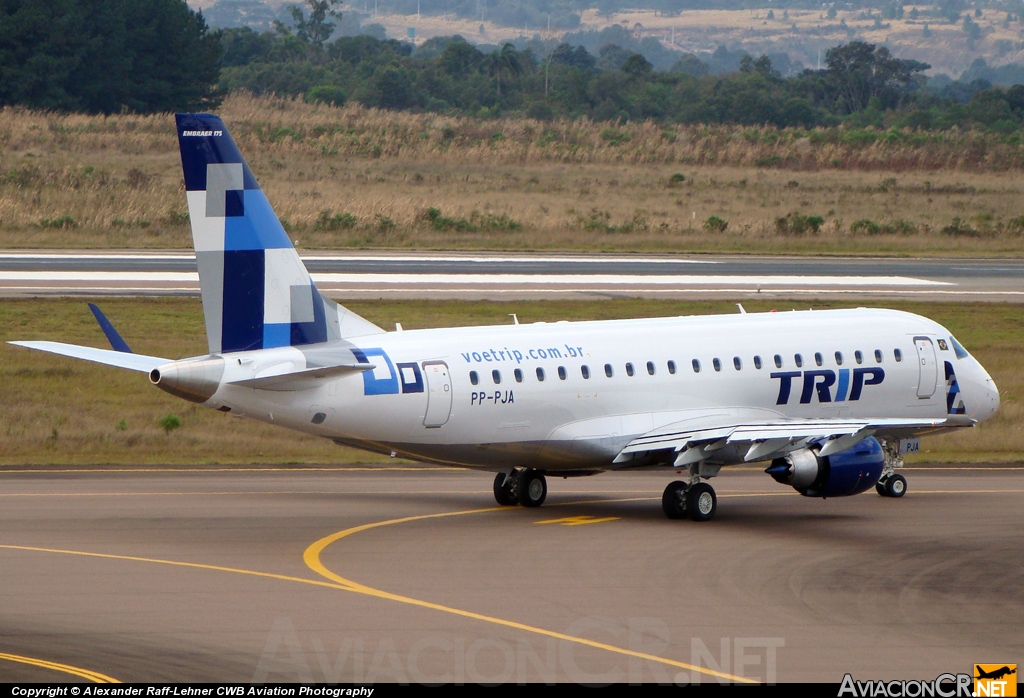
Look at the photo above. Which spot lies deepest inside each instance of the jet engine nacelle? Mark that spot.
(838, 475)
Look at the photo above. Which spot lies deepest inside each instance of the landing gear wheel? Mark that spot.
(896, 486)
(701, 502)
(880, 487)
(673, 501)
(505, 489)
(531, 488)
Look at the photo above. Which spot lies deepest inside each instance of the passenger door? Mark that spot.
(929, 370)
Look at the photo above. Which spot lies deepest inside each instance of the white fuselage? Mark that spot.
(472, 396)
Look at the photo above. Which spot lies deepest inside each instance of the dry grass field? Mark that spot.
(354, 178)
(61, 411)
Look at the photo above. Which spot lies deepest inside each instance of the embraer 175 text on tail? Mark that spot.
(831, 399)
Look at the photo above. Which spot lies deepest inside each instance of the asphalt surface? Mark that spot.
(415, 275)
(340, 574)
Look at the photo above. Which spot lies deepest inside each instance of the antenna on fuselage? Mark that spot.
(515, 320)
(742, 311)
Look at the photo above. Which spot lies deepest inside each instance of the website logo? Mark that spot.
(995, 680)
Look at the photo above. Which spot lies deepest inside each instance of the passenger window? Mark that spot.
(839, 358)
(737, 364)
(608, 370)
(519, 375)
(473, 377)
(818, 358)
(858, 356)
(696, 366)
(717, 364)
(540, 374)
(561, 373)
(878, 356)
(757, 362)
(898, 354)
(798, 360)
(672, 367)
(496, 376)
(629, 370)
(650, 368)
(585, 370)
(778, 361)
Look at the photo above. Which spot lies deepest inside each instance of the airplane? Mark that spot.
(830, 399)
(996, 674)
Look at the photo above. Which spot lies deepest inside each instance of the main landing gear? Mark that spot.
(891, 484)
(696, 501)
(521, 486)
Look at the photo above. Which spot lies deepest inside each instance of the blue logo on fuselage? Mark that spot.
(385, 378)
(849, 384)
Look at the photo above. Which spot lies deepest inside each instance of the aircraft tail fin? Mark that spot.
(256, 291)
(117, 342)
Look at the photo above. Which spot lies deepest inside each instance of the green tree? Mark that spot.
(102, 56)
(315, 30)
(504, 60)
(858, 72)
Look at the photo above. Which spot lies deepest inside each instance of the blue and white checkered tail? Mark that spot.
(256, 291)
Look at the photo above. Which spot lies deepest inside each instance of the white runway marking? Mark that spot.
(449, 280)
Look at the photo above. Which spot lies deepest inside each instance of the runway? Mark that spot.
(505, 276)
(327, 574)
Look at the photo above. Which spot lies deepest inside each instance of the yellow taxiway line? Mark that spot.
(86, 674)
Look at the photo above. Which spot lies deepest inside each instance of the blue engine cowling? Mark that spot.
(841, 474)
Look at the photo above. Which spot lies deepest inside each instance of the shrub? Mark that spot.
(384, 224)
(495, 221)
(440, 222)
(958, 227)
(613, 136)
(340, 221)
(169, 422)
(714, 224)
(768, 161)
(59, 222)
(866, 226)
(328, 94)
(676, 179)
(797, 224)
(177, 218)
(1015, 225)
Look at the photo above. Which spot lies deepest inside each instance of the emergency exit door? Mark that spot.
(439, 393)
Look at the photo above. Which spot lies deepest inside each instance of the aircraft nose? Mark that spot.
(985, 400)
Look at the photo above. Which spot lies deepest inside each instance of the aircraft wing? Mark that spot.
(119, 359)
(301, 380)
(764, 439)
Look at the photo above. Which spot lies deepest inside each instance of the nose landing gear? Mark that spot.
(891, 484)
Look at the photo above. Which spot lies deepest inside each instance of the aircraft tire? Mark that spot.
(674, 500)
(701, 502)
(505, 490)
(880, 487)
(531, 488)
(896, 486)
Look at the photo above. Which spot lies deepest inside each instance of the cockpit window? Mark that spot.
(960, 352)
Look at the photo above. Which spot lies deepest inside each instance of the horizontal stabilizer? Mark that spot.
(120, 359)
(301, 380)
